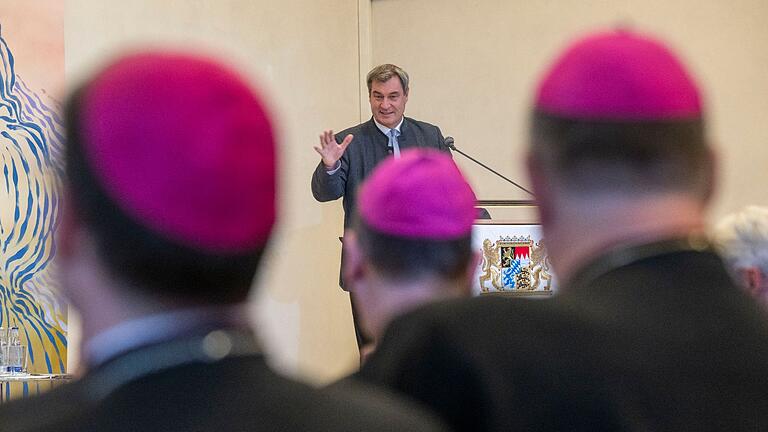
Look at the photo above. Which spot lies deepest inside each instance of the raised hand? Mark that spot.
(330, 150)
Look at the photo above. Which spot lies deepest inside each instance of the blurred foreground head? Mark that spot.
(743, 241)
(171, 166)
(618, 128)
(412, 236)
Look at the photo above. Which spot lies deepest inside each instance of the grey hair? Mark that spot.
(383, 73)
(742, 238)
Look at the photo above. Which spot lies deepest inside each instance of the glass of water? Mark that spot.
(17, 359)
(3, 350)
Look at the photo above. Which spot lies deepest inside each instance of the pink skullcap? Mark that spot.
(420, 195)
(185, 147)
(618, 75)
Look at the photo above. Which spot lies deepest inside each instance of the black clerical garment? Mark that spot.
(646, 338)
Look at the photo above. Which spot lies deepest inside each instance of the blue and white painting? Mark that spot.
(31, 138)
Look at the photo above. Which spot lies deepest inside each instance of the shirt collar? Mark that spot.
(625, 255)
(150, 329)
(385, 130)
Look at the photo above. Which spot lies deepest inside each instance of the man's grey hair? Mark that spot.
(742, 238)
(385, 72)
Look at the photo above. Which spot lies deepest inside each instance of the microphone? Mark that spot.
(449, 142)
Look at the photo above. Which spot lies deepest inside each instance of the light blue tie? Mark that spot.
(393, 134)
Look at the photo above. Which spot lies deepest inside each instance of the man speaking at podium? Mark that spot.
(349, 156)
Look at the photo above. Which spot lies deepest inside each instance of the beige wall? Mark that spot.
(473, 65)
(305, 54)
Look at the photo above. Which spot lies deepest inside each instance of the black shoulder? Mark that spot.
(356, 130)
(360, 405)
(466, 321)
(424, 126)
(43, 412)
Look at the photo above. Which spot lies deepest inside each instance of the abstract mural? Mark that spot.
(31, 137)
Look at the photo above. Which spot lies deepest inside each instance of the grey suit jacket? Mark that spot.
(367, 149)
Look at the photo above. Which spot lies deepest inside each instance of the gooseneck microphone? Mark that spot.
(449, 142)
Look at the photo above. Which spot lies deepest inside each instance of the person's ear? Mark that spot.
(711, 165)
(354, 266)
(78, 258)
(752, 278)
(541, 188)
(469, 277)
(69, 226)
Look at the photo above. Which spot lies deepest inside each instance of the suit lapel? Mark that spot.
(376, 145)
(408, 136)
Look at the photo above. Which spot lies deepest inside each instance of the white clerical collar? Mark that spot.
(385, 130)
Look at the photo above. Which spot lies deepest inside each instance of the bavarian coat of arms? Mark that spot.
(515, 265)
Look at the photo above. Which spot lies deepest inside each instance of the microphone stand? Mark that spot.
(450, 145)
